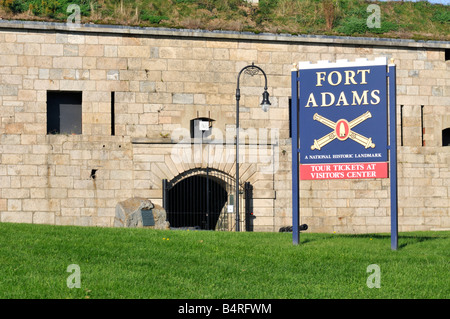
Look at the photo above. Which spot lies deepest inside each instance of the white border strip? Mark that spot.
(324, 64)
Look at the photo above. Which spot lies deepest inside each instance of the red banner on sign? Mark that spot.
(344, 171)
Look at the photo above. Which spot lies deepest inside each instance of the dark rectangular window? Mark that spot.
(421, 124)
(113, 123)
(446, 137)
(401, 125)
(64, 112)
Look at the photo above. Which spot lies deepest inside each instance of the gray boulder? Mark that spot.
(131, 213)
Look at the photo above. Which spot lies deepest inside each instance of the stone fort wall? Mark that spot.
(161, 79)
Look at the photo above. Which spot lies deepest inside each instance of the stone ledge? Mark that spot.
(192, 141)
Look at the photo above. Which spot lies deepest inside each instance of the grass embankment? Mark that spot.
(142, 263)
(398, 19)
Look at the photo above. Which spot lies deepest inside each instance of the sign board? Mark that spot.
(343, 127)
(147, 218)
(203, 125)
(341, 115)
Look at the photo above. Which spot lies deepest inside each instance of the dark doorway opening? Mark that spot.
(446, 137)
(204, 198)
(197, 202)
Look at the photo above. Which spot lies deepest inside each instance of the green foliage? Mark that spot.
(154, 19)
(386, 26)
(266, 7)
(265, 10)
(442, 16)
(17, 6)
(48, 8)
(354, 25)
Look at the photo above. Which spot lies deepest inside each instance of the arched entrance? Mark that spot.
(203, 198)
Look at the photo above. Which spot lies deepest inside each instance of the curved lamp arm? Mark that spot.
(252, 70)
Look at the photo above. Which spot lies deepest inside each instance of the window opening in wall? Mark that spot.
(447, 54)
(64, 112)
(446, 137)
(113, 123)
(421, 125)
(93, 172)
(401, 125)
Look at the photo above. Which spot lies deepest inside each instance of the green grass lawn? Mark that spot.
(142, 263)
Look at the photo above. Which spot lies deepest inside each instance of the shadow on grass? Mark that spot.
(410, 239)
(415, 240)
(403, 240)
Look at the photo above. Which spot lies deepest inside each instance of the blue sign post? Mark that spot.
(340, 126)
(393, 154)
(295, 162)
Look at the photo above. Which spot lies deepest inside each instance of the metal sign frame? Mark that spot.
(386, 80)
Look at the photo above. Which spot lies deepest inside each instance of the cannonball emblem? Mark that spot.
(342, 130)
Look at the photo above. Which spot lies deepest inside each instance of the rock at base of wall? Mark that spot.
(129, 214)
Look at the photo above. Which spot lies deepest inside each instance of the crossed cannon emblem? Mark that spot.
(342, 131)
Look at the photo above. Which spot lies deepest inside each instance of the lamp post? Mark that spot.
(251, 70)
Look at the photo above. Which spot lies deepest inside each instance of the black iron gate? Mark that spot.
(203, 198)
(248, 196)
